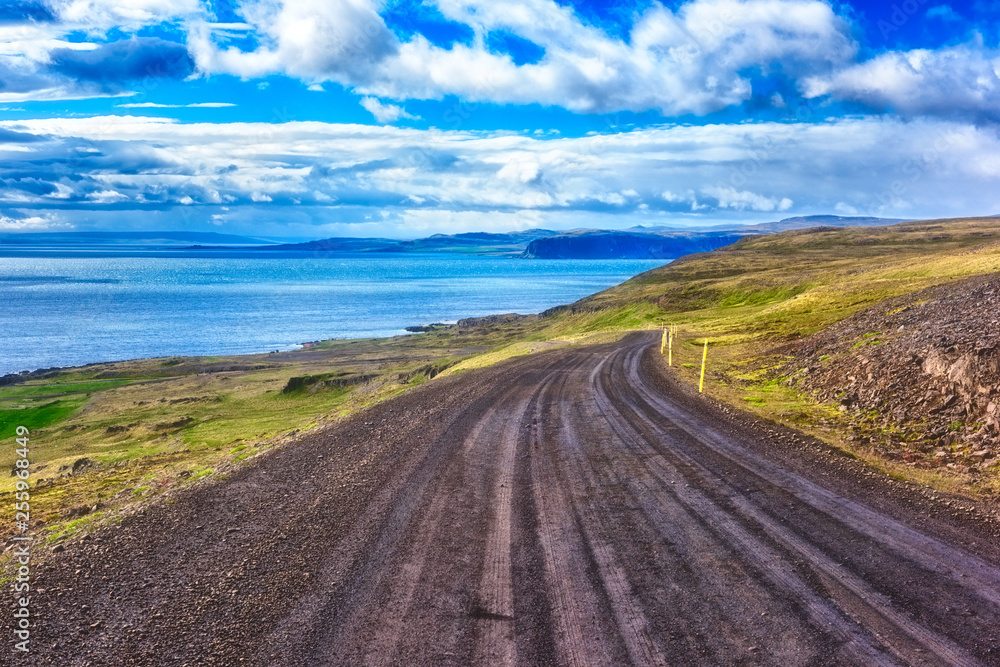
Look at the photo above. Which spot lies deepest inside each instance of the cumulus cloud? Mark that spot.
(315, 40)
(106, 14)
(958, 81)
(42, 57)
(692, 57)
(319, 171)
(385, 113)
(692, 60)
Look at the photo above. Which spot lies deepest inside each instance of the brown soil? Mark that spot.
(919, 375)
(573, 507)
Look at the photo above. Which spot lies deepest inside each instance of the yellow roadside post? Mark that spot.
(670, 347)
(663, 340)
(704, 358)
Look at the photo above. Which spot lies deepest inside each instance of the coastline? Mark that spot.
(72, 311)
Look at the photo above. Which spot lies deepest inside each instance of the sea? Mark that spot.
(69, 308)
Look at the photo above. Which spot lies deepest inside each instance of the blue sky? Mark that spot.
(402, 118)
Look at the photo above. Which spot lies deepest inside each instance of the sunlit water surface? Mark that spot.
(72, 308)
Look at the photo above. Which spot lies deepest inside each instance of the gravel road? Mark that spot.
(573, 507)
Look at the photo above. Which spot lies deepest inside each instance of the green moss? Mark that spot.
(35, 417)
(28, 389)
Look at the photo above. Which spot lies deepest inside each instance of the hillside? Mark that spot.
(824, 273)
(657, 242)
(918, 376)
(599, 244)
(769, 307)
(827, 300)
(483, 243)
(810, 221)
(396, 510)
(472, 243)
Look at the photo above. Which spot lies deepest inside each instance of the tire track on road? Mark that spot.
(906, 637)
(581, 632)
(760, 556)
(964, 569)
(571, 507)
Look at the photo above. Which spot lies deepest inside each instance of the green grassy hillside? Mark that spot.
(793, 283)
(752, 300)
(108, 435)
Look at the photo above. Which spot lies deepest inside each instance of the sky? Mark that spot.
(320, 118)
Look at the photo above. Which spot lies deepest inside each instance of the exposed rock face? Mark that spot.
(919, 372)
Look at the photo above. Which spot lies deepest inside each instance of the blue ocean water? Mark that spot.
(72, 308)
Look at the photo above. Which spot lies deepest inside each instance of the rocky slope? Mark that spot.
(919, 375)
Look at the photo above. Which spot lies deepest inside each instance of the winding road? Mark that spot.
(573, 507)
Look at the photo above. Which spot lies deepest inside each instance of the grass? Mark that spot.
(793, 284)
(50, 388)
(134, 430)
(502, 354)
(120, 433)
(34, 417)
(761, 292)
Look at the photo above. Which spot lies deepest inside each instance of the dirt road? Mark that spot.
(575, 507)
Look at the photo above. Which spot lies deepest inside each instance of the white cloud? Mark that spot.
(678, 62)
(385, 113)
(106, 197)
(27, 48)
(694, 56)
(522, 169)
(962, 80)
(156, 105)
(67, 92)
(943, 12)
(315, 40)
(35, 223)
(105, 14)
(743, 200)
(752, 172)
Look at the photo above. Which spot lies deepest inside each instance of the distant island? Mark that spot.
(633, 243)
(661, 242)
(143, 239)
